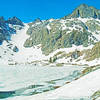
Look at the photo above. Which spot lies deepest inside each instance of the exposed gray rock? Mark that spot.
(15, 49)
(84, 11)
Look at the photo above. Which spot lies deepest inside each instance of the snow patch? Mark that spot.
(48, 27)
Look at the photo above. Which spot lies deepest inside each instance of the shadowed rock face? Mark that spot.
(37, 20)
(14, 21)
(6, 30)
(2, 21)
(84, 11)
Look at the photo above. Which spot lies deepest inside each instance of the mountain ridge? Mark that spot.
(51, 37)
(84, 11)
(6, 30)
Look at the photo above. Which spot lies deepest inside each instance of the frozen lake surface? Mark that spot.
(28, 80)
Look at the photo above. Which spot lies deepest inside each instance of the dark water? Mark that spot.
(6, 94)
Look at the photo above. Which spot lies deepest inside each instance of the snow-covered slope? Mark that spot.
(30, 54)
(66, 35)
(24, 55)
(64, 40)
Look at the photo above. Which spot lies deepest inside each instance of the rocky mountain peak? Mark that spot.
(83, 6)
(84, 11)
(6, 30)
(15, 21)
(2, 19)
(37, 20)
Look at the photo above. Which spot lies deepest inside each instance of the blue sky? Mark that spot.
(28, 10)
